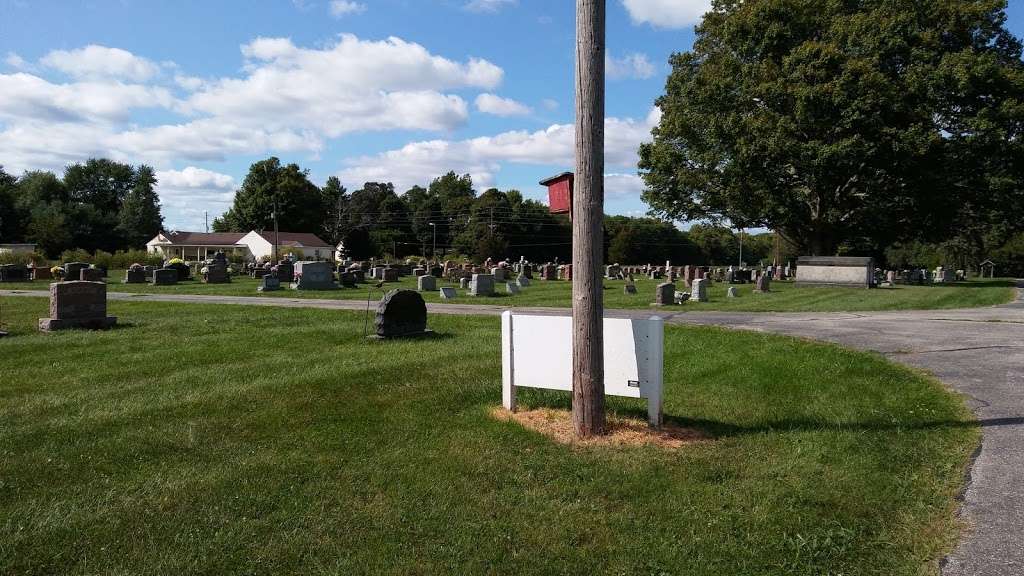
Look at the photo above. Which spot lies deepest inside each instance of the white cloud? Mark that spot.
(287, 99)
(94, 61)
(488, 5)
(549, 104)
(348, 86)
(341, 8)
(189, 193)
(482, 158)
(15, 61)
(667, 13)
(635, 65)
(620, 186)
(492, 104)
(26, 96)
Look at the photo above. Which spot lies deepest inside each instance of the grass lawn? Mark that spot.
(197, 439)
(784, 297)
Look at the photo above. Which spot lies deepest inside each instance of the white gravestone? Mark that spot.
(536, 352)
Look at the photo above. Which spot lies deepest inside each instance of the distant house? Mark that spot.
(194, 246)
(17, 248)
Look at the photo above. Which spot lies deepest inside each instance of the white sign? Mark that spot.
(536, 352)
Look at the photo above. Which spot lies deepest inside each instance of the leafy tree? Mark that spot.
(11, 227)
(139, 219)
(300, 206)
(335, 200)
(48, 227)
(101, 183)
(824, 119)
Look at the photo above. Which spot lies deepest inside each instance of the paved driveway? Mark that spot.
(979, 352)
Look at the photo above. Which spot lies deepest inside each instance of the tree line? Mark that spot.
(96, 205)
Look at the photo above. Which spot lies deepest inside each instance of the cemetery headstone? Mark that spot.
(731, 292)
(464, 283)
(269, 283)
(481, 285)
(699, 290)
(313, 276)
(512, 288)
(426, 283)
(73, 270)
(215, 270)
(41, 273)
(348, 279)
(523, 281)
(764, 283)
(286, 271)
(681, 297)
(447, 293)
(401, 313)
(135, 275)
(90, 275)
(389, 275)
(14, 273)
(664, 294)
(498, 273)
(165, 277)
(77, 304)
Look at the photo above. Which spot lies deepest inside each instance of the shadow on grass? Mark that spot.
(718, 429)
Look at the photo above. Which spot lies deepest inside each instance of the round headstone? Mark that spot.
(401, 313)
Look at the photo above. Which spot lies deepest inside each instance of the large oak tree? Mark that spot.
(827, 120)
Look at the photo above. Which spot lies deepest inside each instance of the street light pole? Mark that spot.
(433, 251)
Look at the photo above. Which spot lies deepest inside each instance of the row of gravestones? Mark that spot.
(665, 294)
(477, 285)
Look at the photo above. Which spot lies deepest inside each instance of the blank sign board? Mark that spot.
(537, 353)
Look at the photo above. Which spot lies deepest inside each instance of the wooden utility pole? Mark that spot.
(587, 216)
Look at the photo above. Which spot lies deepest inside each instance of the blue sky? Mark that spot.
(397, 90)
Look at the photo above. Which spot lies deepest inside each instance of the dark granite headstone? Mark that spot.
(347, 279)
(269, 283)
(165, 277)
(135, 276)
(390, 275)
(42, 273)
(14, 273)
(285, 271)
(77, 304)
(73, 270)
(90, 275)
(426, 283)
(401, 313)
(665, 293)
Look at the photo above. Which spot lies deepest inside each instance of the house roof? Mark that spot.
(295, 239)
(202, 238)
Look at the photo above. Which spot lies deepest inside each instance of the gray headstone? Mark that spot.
(764, 283)
(464, 283)
(401, 313)
(269, 283)
(481, 285)
(523, 281)
(731, 292)
(77, 304)
(448, 293)
(165, 277)
(313, 276)
(699, 290)
(426, 283)
(664, 294)
(512, 288)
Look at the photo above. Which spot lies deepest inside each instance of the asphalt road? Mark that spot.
(978, 352)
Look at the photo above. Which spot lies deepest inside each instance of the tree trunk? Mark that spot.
(587, 215)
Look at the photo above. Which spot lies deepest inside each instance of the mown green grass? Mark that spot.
(197, 439)
(784, 296)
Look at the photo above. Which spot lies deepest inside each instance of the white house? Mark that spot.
(261, 244)
(194, 246)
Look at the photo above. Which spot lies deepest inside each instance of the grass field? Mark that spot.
(197, 439)
(784, 297)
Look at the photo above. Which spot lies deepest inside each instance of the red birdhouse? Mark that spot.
(559, 193)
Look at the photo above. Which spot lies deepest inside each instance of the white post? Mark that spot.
(655, 371)
(508, 385)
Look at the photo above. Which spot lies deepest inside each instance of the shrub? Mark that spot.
(23, 258)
